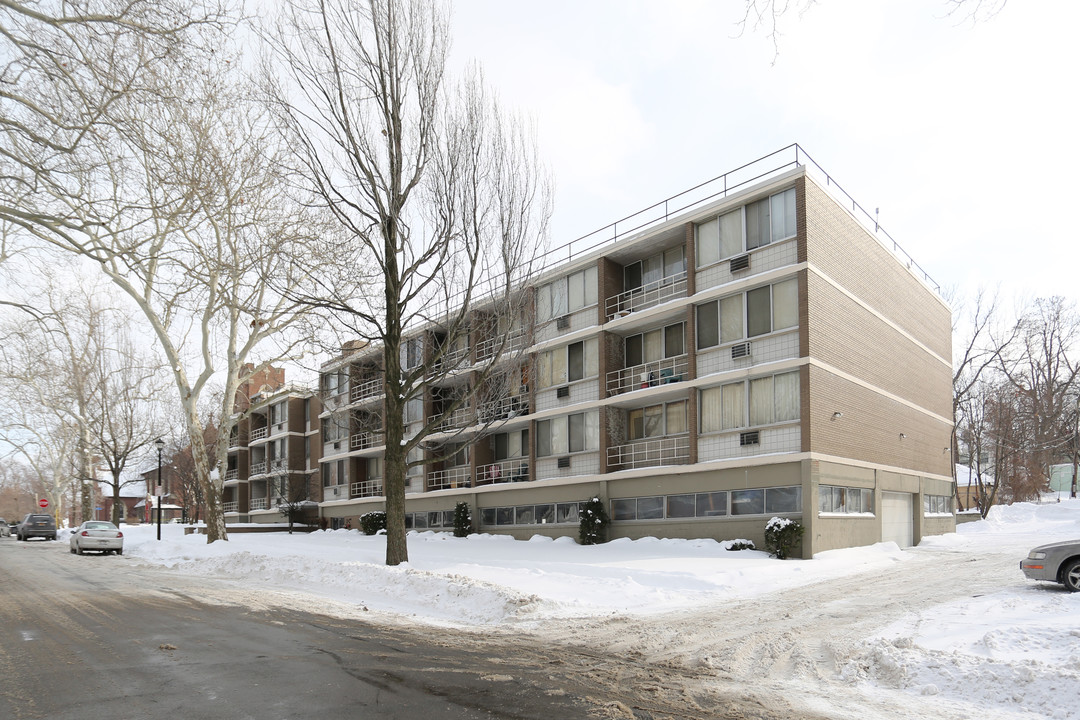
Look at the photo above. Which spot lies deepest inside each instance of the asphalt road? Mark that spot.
(94, 637)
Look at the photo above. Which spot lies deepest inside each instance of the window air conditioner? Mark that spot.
(749, 438)
(564, 462)
(563, 323)
(740, 351)
(742, 262)
(563, 392)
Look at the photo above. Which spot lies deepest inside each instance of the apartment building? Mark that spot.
(763, 350)
(273, 453)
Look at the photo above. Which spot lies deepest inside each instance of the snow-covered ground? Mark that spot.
(951, 625)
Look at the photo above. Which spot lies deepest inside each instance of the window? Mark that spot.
(335, 428)
(937, 504)
(333, 473)
(747, 502)
(766, 221)
(278, 412)
(834, 499)
(414, 463)
(574, 433)
(566, 295)
(768, 309)
(414, 410)
(527, 514)
(673, 507)
(654, 345)
(659, 269)
(412, 352)
(510, 445)
(335, 383)
(657, 420)
(642, 508)
(783, 499)
(374, 468)
(772, 399)
(574, 362)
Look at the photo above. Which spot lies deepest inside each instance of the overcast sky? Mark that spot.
(962, 133)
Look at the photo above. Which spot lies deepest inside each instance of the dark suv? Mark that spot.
(37, 526)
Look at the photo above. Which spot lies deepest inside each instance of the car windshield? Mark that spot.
(100, 526)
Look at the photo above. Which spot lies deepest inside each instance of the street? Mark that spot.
(104, 637)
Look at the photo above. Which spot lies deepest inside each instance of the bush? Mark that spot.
(462, 520)
(373, 522)
(781, 535)
(594, 523)
(741, 545)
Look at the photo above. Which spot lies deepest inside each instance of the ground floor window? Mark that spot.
(541, 514)
(834, 499)
(709, 504)
(937, 504)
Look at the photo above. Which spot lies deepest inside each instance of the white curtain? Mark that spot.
(708, 243)
(731, 319)
(761, 401)
(731, 235)
(785, 304)
(786, 390)
(734, 402)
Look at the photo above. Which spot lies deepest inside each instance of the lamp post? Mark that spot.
(160, 444)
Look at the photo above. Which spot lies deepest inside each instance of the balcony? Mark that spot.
(647, 295)
(231, 475)
(453, 360)
(455, 477)
(237, 440)
(460, 418)
(259, 503)
(660, 372)
(514, 470)
(510, 343)
(335, 399)
(230, 507)
(367, 488)
(260, 433)
(503, 408)
(365, 440)
(258, 468)
(673, 450)
(367, 389)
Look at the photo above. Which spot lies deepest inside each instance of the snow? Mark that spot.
(1006, 648)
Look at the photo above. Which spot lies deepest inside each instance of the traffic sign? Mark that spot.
(43, 503)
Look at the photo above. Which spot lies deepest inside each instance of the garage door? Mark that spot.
(896, 518)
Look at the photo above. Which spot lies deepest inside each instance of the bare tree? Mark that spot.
(1043, 373)
(439, 201)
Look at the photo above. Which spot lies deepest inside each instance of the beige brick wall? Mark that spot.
(846, 335)
(853, 258)
(870, 427)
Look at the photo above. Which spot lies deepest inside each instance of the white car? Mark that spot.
(98, 535)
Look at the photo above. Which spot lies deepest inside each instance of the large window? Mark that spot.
(937, 504)
(335, 383)
(414, 410)
(335, 428)
(566, 295)
(767, 309)
(834, 499)
(657, 420)
(655, 269)
(573, 433)
(279, 412)
(576, 361)
(768, 500)
(333, 473)
(510, 445)
(750, 403)
(760, 223)
(757, 501)
(545, 514)
(658, 344)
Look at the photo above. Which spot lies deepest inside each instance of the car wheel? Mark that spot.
(120, 551)
(78, 549)
(72, 551)
(1070, 576)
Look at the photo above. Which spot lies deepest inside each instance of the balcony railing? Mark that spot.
(451, 361)
(233, 474)
(455, 477)
(278, 465)
(258, 504)
(334, 399)
(647, 295)
(237, 440)
(367, 488)
(503, 408)
(367, 389)
(660, 372)
(673, 450)
(230, 507)
(460, 418)
(514, 470)
(260, 433)
(510, 343)
(365, 440)
(258, 468)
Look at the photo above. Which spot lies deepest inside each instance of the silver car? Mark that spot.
(97, 535)
(1056, 562)
(5, 530)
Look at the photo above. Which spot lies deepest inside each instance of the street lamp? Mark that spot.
(160, 444)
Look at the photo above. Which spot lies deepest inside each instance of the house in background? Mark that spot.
(763, 351)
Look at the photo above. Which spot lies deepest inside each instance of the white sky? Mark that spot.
(962, 134)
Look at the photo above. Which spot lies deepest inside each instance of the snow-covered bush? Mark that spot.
(781, 535)
(462, 520)
(373, 522)
(741, 545)
(594, 523)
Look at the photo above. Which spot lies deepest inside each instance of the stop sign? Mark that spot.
(43, 503)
